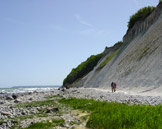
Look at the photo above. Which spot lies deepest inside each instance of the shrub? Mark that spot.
(140, 15)
(82, 69)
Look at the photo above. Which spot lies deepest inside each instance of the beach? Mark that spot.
(14, 106)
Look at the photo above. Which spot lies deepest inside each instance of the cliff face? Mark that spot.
(142, 26)
(137, 67)
(108, 51)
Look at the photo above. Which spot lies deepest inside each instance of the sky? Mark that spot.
(42, 40)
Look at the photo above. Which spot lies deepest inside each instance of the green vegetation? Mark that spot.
(36, 104)
(47, 124)
(140, 15)
(2, 121)
(108, 59)
(23, 117)
(82, 69)
(118, 116)
(52, 96)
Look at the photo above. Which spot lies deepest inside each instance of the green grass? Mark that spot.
(46, 124)
(2, 121)
(23, 117)
(41, 125)
(118, 116)
(52, 96)
(36, 104)
(108, 59)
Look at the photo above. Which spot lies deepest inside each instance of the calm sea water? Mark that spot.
(21, 89)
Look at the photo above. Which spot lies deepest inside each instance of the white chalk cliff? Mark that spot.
(138, 65)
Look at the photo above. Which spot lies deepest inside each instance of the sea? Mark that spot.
(22, 89)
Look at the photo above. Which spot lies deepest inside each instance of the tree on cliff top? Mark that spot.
(140, 15)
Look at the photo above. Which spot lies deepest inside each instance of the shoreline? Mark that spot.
(9, 112)
(106, 95)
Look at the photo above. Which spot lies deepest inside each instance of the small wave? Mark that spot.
(22, 90)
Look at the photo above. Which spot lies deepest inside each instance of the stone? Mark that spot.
(5, 113)
(1, 102)
(49, 110)
(14, 96)
(17, 101)
(23, 113)
(9, 98)
(63, 89)
(31, 99)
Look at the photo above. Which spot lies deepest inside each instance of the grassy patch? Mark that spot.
(59, 122)
(36, 104)
(23, 117)
(108, 59)
(53, 96)
(118, 116)
(2, 121)
(46, 124)
(40, 125)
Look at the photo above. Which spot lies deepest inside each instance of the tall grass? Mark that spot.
(118, 116)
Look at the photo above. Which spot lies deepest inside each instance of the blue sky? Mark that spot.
(42, 40)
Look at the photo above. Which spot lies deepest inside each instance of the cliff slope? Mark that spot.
(137, 67)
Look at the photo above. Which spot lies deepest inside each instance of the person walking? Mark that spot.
(113, 86)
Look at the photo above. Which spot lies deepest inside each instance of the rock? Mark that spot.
(9, 124)
(14, 96)
(14, 121)
(49, 110)
(29, 93)
(5, 113)
(17, 101)
(63, 89)
(23, 113)
(9, 98)
(1, 102)
(31, 99)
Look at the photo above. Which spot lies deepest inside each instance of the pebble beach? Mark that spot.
(9, 112)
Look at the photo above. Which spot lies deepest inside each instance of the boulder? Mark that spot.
(50, 110)
(14, 96)
(17, 101)
(9, 98)
(5, 113)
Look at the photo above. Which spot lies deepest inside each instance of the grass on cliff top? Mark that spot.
(118, 116)
(140, 15)
(107, 59)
